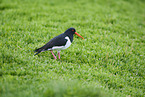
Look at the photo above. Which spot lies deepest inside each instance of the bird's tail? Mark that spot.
(38, 51)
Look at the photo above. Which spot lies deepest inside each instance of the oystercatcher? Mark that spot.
(59, 42)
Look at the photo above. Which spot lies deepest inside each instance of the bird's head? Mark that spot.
(72, 31)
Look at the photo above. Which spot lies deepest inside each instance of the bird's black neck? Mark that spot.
(70, 36)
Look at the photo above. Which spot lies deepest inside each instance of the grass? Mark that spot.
(109, 62)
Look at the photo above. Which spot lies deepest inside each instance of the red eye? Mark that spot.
(72, 29)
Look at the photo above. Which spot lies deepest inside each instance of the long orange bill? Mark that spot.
(79, 35)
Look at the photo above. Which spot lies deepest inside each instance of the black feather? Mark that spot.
(37, 53)
(36, 50)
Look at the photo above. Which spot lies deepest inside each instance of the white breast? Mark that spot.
(68, 43)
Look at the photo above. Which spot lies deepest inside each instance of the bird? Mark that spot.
(60, 42)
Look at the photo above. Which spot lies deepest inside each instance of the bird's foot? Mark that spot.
(58, 55)
(53, 55)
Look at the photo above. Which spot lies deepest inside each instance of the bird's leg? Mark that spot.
(58, 55)
(53, 55)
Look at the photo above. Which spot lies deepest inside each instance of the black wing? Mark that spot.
(56, 41)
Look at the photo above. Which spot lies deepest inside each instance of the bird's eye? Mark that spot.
(72, 29)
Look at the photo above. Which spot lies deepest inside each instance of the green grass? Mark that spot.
(109, 62)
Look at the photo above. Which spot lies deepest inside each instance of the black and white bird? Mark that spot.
(59, 42)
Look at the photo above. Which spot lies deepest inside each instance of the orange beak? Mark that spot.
(79, 35)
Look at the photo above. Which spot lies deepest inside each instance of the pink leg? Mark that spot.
(53, 55)
(58, 55)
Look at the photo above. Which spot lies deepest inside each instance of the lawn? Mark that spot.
(109, 62)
